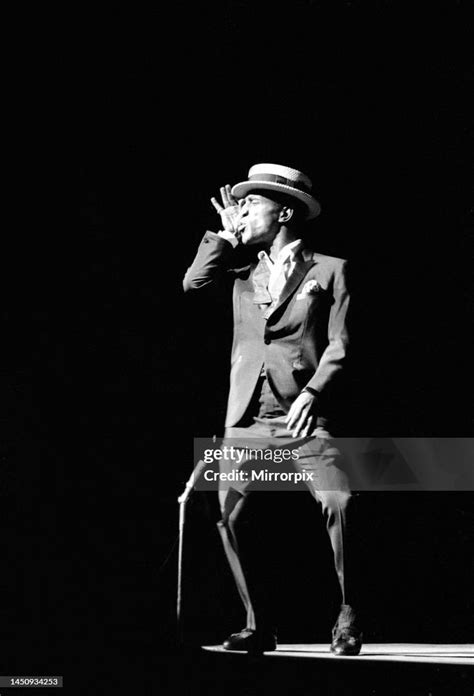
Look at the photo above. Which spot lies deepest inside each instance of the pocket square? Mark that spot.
(311, 287)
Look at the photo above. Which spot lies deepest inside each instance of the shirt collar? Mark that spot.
(288, 251)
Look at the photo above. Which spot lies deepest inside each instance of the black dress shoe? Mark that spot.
(346, 641)
(346, 637)
(252, 641)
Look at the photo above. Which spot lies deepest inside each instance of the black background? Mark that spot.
(112, 371)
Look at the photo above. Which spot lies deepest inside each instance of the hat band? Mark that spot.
(277, 179)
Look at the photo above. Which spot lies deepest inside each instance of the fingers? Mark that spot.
(217, 205)
(232, 199)
(300, 418)
(302, 425)
(225, 196)
(228, 200)
(308, 428)
(292, 416)
(297, 416)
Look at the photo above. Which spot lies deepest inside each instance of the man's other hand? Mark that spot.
(302, 414)
(229, 211)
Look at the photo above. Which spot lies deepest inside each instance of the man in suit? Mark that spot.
(290, 342)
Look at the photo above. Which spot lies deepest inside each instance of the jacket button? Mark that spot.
(267, 340)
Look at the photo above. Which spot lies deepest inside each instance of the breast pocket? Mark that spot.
(309, 302)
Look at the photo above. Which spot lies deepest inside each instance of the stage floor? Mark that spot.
(427, 653)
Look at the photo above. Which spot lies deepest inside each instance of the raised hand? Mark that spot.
(229, 210)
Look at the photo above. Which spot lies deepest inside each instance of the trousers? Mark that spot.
(245, 536)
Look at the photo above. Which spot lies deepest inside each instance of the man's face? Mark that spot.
(260, 219)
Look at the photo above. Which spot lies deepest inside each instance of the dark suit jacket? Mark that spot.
(302, 341)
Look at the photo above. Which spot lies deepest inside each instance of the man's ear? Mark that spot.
(286, 213)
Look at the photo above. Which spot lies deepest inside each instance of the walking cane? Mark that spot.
(182, 500)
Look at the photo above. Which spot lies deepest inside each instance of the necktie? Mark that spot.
(261, 276)
(278, 277)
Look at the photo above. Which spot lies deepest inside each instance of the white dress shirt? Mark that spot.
(281, 268)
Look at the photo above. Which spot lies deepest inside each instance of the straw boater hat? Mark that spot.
(275, 177)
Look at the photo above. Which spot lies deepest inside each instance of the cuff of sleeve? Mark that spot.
(311, 391)
(229, 236)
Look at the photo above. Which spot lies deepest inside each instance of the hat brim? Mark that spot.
(312, 206)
